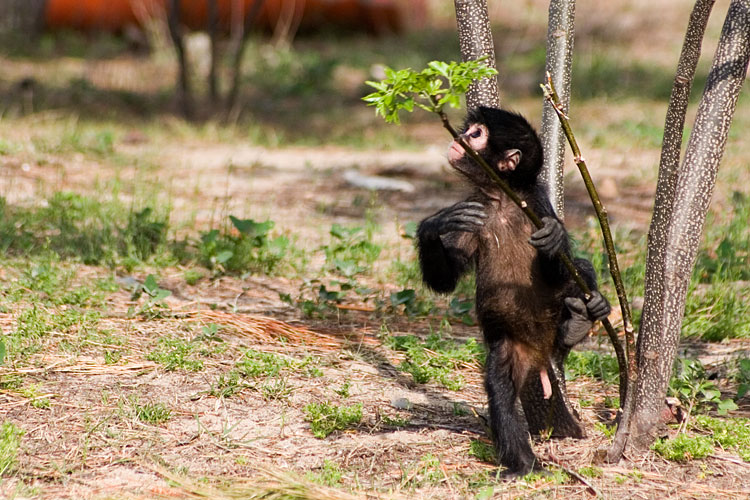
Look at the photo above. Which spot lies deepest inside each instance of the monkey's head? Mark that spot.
(506, 141)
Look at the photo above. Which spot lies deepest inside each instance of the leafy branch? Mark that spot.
(405, 89)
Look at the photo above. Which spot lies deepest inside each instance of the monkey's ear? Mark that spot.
(509, 162)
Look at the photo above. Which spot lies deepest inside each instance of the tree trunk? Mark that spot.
(213, 34)
(475, 38)
(560, 35)
(175, 32)
(240, 31)
(22, 16)
(669, 165)
(675, 230)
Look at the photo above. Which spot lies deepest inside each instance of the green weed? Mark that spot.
(684, 448)
(256, 364)
(436, 358)
(330, 474)
(351, 250)
(245, 247)
(691, 385)
(10, 441)
(483, 451)
(729, 434)
(174, 353)
(593, 365)
(424, 473)
(152, 413)
(326, 418)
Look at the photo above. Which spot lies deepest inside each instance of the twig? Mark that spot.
(628, 370)
(590, 487)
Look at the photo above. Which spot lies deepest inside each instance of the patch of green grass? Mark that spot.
(592, 365)
(684, 448)
(174, 353)
(729, 433)
(426, 472)
(691, 384)
(394, 421)
(256, 364)
(436, 358)
(10, 441)
(590, 471)
(32, 392)
(483, 451)
(330, 474)
(326, 418)
(152, 413)
(275, 389)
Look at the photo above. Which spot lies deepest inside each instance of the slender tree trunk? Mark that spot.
(475, 38)
(669, 166)
(240, 32)
(674, 243)
(560, 35)
(213, 33)
(175, 32)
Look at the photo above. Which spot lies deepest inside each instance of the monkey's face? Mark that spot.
(476, 135)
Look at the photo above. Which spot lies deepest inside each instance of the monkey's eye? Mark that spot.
(476, 133)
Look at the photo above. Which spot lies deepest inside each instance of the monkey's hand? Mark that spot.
(582, 317)
(551, 238)
(467, 216)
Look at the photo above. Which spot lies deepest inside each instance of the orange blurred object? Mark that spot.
(114, 15)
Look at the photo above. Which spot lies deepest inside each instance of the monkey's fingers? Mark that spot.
(468, 204)
(597, 306)
(576, 307)
(550, 238)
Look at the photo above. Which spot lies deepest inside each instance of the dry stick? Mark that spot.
(627, 371)
(535, 220)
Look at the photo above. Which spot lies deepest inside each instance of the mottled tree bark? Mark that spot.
(475, 38)
(669, 166)
(560, 35)
(676, 228)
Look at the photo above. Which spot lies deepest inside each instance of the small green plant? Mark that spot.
(743, 377)
(394, 421)
(343, 391)
(590, 471)
(330, 474)
(154, 306)
(275, 389)
(245, 247)
(730, 434)
(152, 413)
(436, 358)
(256, 364)
(424, 473)
(174, 353)
(593, 365)
(326, 418)
(483, 451)
(351, 250)
(10, 441)
(696, 392)
(683, 447)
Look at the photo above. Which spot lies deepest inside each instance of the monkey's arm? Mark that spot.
(447, 243)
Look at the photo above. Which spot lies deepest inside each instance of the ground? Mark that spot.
(212, 390)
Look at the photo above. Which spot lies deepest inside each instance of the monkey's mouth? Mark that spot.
(456, 152)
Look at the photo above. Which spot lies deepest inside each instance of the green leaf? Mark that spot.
(725, 406)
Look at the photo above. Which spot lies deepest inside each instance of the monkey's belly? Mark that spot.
(523, 314)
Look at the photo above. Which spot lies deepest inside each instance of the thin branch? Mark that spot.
(628, 371)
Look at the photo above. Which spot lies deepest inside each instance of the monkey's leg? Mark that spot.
(510, 435)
